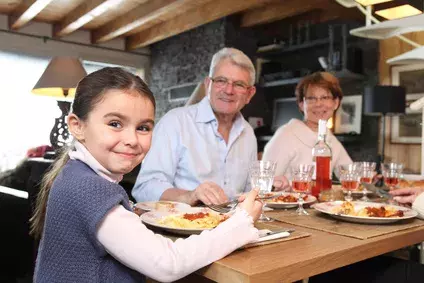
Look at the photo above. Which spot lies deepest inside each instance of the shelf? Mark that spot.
(343, 75)
(278, 49)
(391, 28)
(290, 81)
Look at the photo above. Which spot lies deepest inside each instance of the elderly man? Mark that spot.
(201, 153)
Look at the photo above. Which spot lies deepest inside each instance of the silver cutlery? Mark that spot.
(231, 205)
(289, 230)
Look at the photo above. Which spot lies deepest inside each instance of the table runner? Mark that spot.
(322, 222)
(273, 227)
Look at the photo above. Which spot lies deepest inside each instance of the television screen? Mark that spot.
(284, 110)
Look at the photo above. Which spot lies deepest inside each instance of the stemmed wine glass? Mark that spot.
(391, 173)
(349, 177)
(302, 183)
(366, 172)
(262, 177)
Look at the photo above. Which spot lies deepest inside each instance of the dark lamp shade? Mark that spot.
(60, 78)
(385, 100)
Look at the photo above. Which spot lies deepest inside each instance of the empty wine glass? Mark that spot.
(262, 177)
(366, 172)
(391, 173)
(349, 178)
(301, 184)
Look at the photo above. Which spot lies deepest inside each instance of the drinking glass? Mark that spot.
(391, 173)
(367, 172)
(301, 184)
(349, 178)
(262, 177)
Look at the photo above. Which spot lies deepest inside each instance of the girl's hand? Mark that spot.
(252, 206)
(406, 195)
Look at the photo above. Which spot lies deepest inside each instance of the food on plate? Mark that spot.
(382, 211)
(193, 220)
(286, 198)
(164, 205)
(347, 208)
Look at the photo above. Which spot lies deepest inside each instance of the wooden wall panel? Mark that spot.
(408, 154)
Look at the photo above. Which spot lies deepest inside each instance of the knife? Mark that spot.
(289, 230)
(379, 191)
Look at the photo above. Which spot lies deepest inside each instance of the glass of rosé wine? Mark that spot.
(349, 175)
(367, 173)
(392, 173)
(301, 184)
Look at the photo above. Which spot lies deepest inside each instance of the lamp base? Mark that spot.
(59, 135)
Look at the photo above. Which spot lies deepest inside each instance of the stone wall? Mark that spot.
(182, 59)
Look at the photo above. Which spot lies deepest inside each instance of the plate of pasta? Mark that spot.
(288, 200)
(185, 222)
(365, 212)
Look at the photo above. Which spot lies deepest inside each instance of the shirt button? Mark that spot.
(225, 183)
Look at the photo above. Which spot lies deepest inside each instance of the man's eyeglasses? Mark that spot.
(238, 86)
(313, 99)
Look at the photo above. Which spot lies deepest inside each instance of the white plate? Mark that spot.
(167, 206)
(153, 217)
(309, 200)
(327, 208)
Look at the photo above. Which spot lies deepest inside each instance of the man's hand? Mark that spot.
(209, 193)
(281, 183)
(406, 195)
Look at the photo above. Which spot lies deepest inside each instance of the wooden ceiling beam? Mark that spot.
(143, 17)
(278, 11)
(81, 15)
(25, 12)
(191, 19)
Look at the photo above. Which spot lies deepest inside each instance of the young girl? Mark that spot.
(88, 232)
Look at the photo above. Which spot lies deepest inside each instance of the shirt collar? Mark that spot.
(204, 111)
(205, 114)
(80, 152)
(305, 134)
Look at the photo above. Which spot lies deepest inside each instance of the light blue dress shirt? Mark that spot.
(187, 150)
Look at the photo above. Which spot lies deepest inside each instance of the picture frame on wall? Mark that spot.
(407, 129)
(348, 117)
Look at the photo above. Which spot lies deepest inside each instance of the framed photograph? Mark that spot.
(348, 117)
(407, 128)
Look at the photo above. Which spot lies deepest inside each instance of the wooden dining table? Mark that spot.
(304, 257)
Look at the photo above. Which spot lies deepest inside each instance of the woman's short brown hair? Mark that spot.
(323, 80)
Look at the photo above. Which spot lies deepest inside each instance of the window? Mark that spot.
(26, 119)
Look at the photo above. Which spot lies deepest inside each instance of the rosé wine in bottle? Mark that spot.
(321, 155)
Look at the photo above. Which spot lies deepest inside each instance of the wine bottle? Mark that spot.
(321, 155)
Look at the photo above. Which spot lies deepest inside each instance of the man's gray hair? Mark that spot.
(237, 57)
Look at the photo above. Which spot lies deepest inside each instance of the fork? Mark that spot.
(223, 207)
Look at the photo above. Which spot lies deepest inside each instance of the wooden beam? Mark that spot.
(279, 11)
(191, 19)
(143, 17)
(26, 11)
(81, 15)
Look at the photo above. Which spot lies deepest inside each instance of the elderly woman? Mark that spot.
(318, 96)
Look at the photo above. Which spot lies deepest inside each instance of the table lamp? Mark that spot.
(59, 81)
(384, 101)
